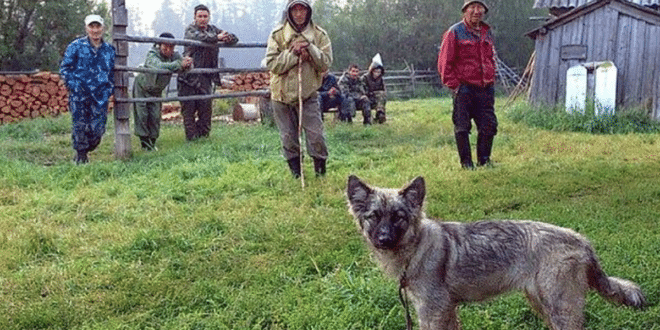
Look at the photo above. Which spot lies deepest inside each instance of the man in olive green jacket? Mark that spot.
(299, 39)
(147, 114)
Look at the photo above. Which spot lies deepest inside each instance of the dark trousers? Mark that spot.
(196, 114)
(88, 122)
(326, 101)
(349, 107)
(478, 104)
(474, 103)
(287, 120)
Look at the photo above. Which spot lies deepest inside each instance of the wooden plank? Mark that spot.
(197, 70)
(121, 110)
(622, 58)
(192, 98)
(119, 14)
(611, 19)
(553, 76)
(641, 13)
(588, 39)
(650, 48)
(124, 37)
(636, 69)
(538, 91)
(655, 111)
(599, 35)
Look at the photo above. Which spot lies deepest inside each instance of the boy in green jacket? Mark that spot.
(147, 114)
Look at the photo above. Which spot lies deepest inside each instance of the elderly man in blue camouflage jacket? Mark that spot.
(87, 68)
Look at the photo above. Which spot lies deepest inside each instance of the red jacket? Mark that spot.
(467, 57)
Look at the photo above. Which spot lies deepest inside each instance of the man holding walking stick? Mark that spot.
(298, 54)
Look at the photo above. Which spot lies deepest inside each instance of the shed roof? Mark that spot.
(636, 10)
(577, 3)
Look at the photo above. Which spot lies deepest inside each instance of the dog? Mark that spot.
(442, 264)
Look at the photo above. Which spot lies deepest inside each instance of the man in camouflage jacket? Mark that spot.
(355, 96)
(147, 115)
(88, 70)
(197, 114)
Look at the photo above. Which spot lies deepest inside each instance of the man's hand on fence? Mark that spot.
(187, 63)
(224, 36)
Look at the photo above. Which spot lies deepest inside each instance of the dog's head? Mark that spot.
(388, 218)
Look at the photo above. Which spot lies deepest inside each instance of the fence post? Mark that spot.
(121, 109)
(412, 81)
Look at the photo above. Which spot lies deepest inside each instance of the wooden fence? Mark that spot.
(122, 99)
(411, 83)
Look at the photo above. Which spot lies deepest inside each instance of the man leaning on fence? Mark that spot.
(298, 54)
(147, 115)
(197, 114)
(87, 68)
(466, 63)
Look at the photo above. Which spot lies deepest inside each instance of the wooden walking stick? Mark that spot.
(300, 114)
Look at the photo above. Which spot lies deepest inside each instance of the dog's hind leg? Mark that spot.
(562, 295)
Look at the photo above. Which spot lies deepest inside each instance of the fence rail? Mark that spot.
(185, 42)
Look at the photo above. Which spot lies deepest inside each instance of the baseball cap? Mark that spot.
(469, 2)
(93, 18)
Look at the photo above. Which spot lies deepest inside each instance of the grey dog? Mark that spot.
(442, 264)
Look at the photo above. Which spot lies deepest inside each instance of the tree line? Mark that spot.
(409, 33)
(34, 34)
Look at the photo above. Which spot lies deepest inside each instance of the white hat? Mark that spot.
(93, 18)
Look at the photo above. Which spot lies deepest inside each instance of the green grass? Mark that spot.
(216, 234)
(623, 122)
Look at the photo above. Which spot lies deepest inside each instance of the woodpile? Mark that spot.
(170, 112)
(245, 112)
(248, 81)
(31, 96)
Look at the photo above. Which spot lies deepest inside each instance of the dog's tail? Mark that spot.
(613, 288)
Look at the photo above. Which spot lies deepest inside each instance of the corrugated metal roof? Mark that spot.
(577, 3)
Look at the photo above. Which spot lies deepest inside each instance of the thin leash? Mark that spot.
(403, 297)
(300, 113)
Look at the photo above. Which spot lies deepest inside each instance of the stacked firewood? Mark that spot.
(31, 96)
(248, 81)
(170, 112)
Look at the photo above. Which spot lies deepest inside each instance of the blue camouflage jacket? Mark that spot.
(87, 71)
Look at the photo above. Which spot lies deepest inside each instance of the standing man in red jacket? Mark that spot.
(466, 63)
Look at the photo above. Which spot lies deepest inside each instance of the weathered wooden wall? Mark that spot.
(617, 32)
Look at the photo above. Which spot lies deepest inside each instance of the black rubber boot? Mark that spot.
(464, 150)
(145, 142)
(294, 166)
(484, 147)
(81, 157)
(380, 116)
(319, 166)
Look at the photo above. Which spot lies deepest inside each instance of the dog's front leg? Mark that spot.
(438, 318)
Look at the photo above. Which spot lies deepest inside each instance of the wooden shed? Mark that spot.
(624, 32)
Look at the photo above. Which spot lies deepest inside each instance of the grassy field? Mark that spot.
(216, 234)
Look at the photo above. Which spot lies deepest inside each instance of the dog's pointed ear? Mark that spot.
(414, 192)
(358, 193)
